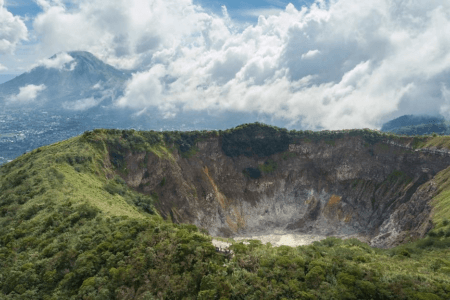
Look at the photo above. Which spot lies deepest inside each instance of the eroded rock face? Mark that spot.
(379, 193)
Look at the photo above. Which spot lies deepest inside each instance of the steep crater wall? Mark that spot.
(260, 181)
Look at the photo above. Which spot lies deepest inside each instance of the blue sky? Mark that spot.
(336, 63)
(237, 9)
(248, 10)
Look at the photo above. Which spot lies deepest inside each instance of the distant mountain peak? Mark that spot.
(82, 54)
(69, 77)
(411, 120)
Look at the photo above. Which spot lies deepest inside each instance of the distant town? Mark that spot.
(24, 130)
(21, 131)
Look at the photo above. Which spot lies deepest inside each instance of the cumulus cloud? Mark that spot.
(335, 64)
(3, 68)
(90, 102)
(144, 89)
(124, 33)
(27, 93)
(310, 54)
(12, 30)
(58, 61)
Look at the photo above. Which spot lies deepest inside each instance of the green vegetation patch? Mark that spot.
(189, 153)
(268, 167)
(441, 204)
(119, 142)
(247, 139)
(288, 155)
(252, 173)
(398, 177)
(418, 142)
(118, 186)
(330, 142)
(186, 141)
(262, 140)
(382, 148)
(255, 139)
(436, 141)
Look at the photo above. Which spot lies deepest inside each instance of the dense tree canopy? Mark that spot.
(69, 229)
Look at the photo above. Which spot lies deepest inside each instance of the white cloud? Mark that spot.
(3, 68)
(144, 89)
(310, 54)
(27, 93)
(125, 33)
(80, 105)
(336, 64)
(57, 61)
(12, 30)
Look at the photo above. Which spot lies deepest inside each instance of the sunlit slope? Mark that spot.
(71, 229)
(72, 171)
(441, 202)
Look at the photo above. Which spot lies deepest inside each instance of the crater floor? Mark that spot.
(280, 238)
(377, 191)
(287, 239)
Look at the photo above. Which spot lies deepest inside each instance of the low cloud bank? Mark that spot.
(80, 105)
(58, 61)
(27, 94)
(335, 64)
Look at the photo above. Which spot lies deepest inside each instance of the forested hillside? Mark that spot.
(417, 125)
(70, 228)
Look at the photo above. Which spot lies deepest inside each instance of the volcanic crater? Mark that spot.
(260, 181)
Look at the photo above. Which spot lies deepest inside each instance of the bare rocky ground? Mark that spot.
(279, 238)
(292, 240)
(220, 244)
(378, 192)
(289, 239)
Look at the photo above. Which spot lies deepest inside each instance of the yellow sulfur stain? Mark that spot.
(234, 218)
(348, 218)
(239, 218)
(219, 196)
(334, 200)
(235, 225)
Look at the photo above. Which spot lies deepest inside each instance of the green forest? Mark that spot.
(70, 228)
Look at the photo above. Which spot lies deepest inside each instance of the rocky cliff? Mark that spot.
(257, 180)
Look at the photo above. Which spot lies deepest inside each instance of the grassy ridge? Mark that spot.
(69, 232)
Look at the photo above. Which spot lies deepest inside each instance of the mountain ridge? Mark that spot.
(80, 74)
(417, 125)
